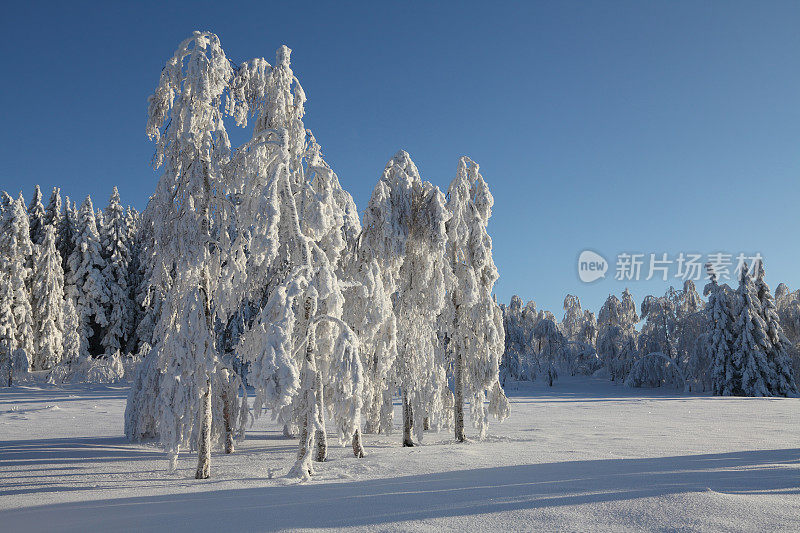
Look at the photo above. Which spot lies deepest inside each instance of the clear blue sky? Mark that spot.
(615, 126)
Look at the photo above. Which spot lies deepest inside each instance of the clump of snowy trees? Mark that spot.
(743, 342)
(67, 306)
(251, 266)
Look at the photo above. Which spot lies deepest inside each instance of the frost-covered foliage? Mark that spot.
(473, 320)
(47, 292)
(16, 252)
(656, 370)
(88, 370)
(87, 283)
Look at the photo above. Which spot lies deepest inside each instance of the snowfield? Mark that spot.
(583, 455)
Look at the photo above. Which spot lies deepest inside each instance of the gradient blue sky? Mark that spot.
(615, 126)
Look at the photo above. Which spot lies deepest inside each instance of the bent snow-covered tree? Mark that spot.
(474, 323)
(190, 218)
(294, 220)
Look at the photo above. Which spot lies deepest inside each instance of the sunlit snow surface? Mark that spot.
(583, 455)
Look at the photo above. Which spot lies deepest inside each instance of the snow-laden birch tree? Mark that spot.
(474, 322)
(47, 294)
(190, 217)
(404, 229)
(294, 220)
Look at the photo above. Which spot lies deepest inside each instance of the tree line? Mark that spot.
(742, 342)
(68, 284)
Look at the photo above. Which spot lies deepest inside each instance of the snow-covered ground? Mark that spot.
(582, 455)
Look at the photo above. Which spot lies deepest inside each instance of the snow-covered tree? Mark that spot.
(475, 336)
(72, 327)
(48, 296)
(777, 352)
(551, 345)
(16, 251)
(52, 214)
(404, 228)
(616, 336)
(189, 216)
(87, 284)
(295, 220)
(659, 331)
(117, 258)
(751, 342)
(67, 231)
(36, 217)
(788, 307)
(8, 336)
(725, 372)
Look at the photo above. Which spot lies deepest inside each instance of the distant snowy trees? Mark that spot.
(741, 342)
(57, 275)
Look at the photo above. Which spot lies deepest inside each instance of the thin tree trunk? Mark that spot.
(226, 416)
(320, 437)
(204, 451)
(287, 431)
(458, 407)
(358, 446)
(408, 420)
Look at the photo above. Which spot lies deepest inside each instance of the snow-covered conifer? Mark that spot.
(36, 217)
(87, 284)
(7, 331)
(473, 319)
(16, 251)
(117, 258)
(52, 214)
(48, 296)
(725, 372)
(67, 231)
(777, 354)
(751, 343)
(72, 327)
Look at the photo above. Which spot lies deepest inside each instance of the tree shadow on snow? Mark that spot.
(447, 494)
